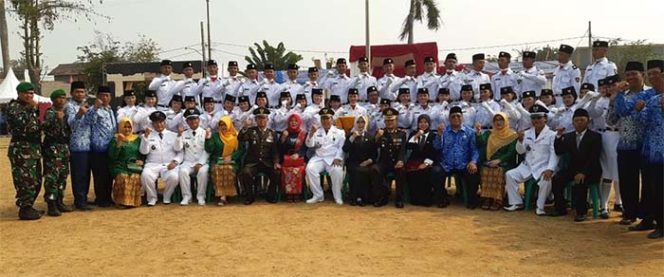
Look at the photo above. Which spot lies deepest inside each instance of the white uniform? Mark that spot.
(440, 114)
(531, 79)
(524, 121)
(339, 86)
(362, 82)
(306, 89)
(186, 87)
(248, 88)
(328, 147)
(512, 113)
(405, 118)
(469, 112)
(160, 152)
(142, 118)
(173, 120)
(348, 110)
(210, 120)
(279, 118)
(598, 70)
(405, 82)
(608, 158)
(162, 85)
(273, 91)
(452, 80)
(540, 156)
(131, 113)
(566, 75)
(231, 84)
(310, 116)
(429, 80)
(475, 79)
(384, 84)
(192, 144)
(210, 86)
(293, 87)
(484, 113)
(501, 80)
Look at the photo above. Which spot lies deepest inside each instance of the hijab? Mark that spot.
(500, 137)
(228, 137)
(129, 138)
(366, 124)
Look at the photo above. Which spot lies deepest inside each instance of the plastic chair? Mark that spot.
(594, 196)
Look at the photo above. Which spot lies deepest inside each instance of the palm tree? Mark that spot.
(277, 56)
(416, 12)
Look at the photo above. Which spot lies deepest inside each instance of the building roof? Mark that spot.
(134, 68)
(67, 69)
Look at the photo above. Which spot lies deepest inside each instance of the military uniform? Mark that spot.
(391, 150)
(56, 157)
(262, 154)
(24, 151)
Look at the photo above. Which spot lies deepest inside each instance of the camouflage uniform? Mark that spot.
(24, 151)
(56, 154)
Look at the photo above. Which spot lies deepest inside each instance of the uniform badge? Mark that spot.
(528, 148)
(153, 147)
(186, 144)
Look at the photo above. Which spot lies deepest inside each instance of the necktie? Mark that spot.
(422, 138)
(578, 139)
(161, 136)
(194, 133)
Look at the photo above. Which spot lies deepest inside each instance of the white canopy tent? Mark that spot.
(8, 87)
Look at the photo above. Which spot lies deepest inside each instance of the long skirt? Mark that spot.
(419, 182)
(130, 192)
(292, 174)
(493, 183)
(223, 176)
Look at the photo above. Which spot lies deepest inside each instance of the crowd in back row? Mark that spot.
(490, 133)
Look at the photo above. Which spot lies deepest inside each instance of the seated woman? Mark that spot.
(293, 151)
(225, 154)
(498, 155)
(418, 167)
(362, 153)
(126, 164)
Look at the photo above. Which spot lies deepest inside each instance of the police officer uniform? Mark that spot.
(192, 143)
(391, 151)
(327, 145)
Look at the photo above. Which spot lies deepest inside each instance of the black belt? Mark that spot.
(608, 129)
(163, 106)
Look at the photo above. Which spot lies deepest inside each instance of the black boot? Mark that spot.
(53, 208)
(61, 205)
(28, 213)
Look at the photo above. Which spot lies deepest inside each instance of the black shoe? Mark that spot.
(271, 200)
(657, 234)
(85, 207)
(618, 208)
(580, 218)
(398, 204)
(248, 201)
(359, 202)
(53, 208)
(443, 203)
(380, 203)
(61, 205)
(28, 213)
(644, 225)
(353, 202)
(604, 214)
(557, 213)
(107, 204)
(626, 221)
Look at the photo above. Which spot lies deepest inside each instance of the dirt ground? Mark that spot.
(314, 240)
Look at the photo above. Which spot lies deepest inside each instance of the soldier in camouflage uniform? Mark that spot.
(56, 153)
(24, 150)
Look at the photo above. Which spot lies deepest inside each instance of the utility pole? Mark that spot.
(202, 50)
(590, 43)
(368, 43)
(208, 30)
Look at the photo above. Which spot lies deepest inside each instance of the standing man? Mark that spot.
(327, 142)
(103, 124)
(233, 81)
(429, 78)
(530, 78)
(476, 75)
(387, 80)
(391, 143)
(24, 150)
(458, 151)
(363, 80)
(311, 84)
(452, 79)
(162, 159)
(339, 84)
(262, 157)
(291, 85)
(162, 84)
(195, 160)
(602, 67)
(250, 86)
(211, 86)
(505, 77)
(79, 145)
(56, 153)
(537, 143)
(270, 86)
(186, 87)
(566, 74)
(407, 82)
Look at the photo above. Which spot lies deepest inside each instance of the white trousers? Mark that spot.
(519, 175)
(186, 169)
(317, 165)
(608, 158)
(151, 172)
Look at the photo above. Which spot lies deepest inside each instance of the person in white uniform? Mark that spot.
(250, 86)
(387, 80)
(540, 163)
(452, 80)
(530, 78)
(429, 78)
(129, 109)
(409, 81)
(162, 159)
(211, 86)
(505, 77)
(476, 76)
(338, 85)
(162, 85)
(328, 142)
(195, 160)
(363, 80)
(601, 67)
(565, 75)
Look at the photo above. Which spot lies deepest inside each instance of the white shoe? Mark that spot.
(539, 211)
(152, 202)
(185, 201)
(339, 202)
(166, 202)
(512, 208)
(201, 202)
(314, 200)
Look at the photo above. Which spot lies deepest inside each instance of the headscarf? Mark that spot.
(425, 117)
(121, 123)
(228, 137)
(366, 124)
(297, 130)
(500, 137)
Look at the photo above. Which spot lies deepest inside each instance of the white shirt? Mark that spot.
(162, 85)
(142, 117)
(210, 88)
(339, 86)
(485, 116)
(565, 75)
(600, 69)
(348, 110)
(307, 87)
(384, 84)
(193, 146)
(501, 80)
(540, 152)
(420, 110)
(328, 147)
(185, 88)
(429, 80)
(361, 82)
(248, 88)
(231, 84)
(409, 82)
(273, 91)
(474, 79)
(405, 118)
(130, 112)
(160, 150)
(452, 80)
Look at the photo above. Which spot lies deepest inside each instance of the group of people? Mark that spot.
(230, 136)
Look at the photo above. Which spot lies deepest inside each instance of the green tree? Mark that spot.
(277, 56)
(37, 15)
(639, 50)
(417, 11)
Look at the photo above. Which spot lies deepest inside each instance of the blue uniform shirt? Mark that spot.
(631, 131)
(456, 148)
(652, 118)
(80, 130)
(103, 125)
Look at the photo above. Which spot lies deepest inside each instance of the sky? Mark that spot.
(314, 27)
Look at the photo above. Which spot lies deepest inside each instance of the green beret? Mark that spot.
(24, 86)
(57, 94)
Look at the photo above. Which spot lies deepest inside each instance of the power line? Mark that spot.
(507, 45)
(228, 52)
(180, 55)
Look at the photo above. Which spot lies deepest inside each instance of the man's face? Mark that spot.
(352, 98)
(580, 123)
(373, 97)
(563, 57)
(478, 65)
(390, 123)
(313, 76)
(363, 66)
(634, 77)
(150, 101)
(212, 69)
(188, 72)
(422, 98)
(232, 70)
(317, 98)
(252, 74)
(261, 121)
(193, 122)
(166, 69)
(538, 122)
(292, 74)
(269, 74)
(78, 94)
(59, 102)
(599, 52)
(105, 98)
(655, 77)
(411, 70)
(450, 64)
(388, 68)
(528, 62)
(341, 68)
(26, 96)
(429, 66)
(503, 62)
(326, 122)
(159, 125)
(456, 119)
